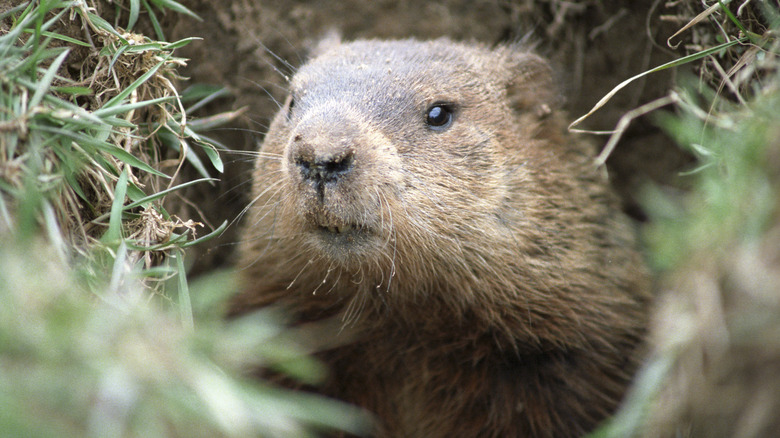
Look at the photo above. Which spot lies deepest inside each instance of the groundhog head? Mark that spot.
(434, 183)
(390, 155)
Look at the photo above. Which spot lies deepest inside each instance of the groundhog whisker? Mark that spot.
(267, 236)
(279, 105)
(239, 129)
(282, 88)
(257, 198)
(393, 261)
(335, 282)
(303, 268)
(265, 127)
(285, 63)
(269, 206)
(324, 280)
(253, 154)
(231, 191)
(355, 306)
(384, 206)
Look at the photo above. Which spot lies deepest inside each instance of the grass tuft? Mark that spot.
(715, 247)
(102, 333)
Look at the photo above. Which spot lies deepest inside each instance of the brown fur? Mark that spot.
(489, 285)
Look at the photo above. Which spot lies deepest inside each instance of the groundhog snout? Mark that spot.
(342, 172)
(319, 165)
(321, 157)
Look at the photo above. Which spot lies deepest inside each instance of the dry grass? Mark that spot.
(715, 352)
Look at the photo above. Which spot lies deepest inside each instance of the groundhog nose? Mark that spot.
(322, 163)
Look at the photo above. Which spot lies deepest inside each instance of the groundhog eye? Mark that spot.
(439, 116)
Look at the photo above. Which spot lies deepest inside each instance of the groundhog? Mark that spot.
(426, 197)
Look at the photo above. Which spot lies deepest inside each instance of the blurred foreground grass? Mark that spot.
(89, 362)
(101, 333)
(713, 368)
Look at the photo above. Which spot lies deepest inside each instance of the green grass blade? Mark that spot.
(13, 10)
(135, 193)
(207, 237)
(155, 47)
(65, 38)
(213, 155)
(210, 150)
(176, 6)
(121, 109)
(127, 91)
(202, 94)
(119, 52)
(43, 86)
(135, 7)
(165, 192)
(114, 232)
(56, 17)
(73, 90)
(172, 140)
(185, 303)
(117, 152)
(140, 198)
(118, 122)
(32, 62)
(5, 217)
(53, 232)
(155, 23)
(207, 123)
(81, 117)
(118, 269)
(181, 43)
(103, 24)
(733, 18)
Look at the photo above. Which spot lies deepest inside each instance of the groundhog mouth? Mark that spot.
(340, 239)
(338, 229)
(345, 229)
(324, 221)
(336, 233)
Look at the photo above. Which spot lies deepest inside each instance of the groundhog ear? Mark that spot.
(531, 84)
(328, 41)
